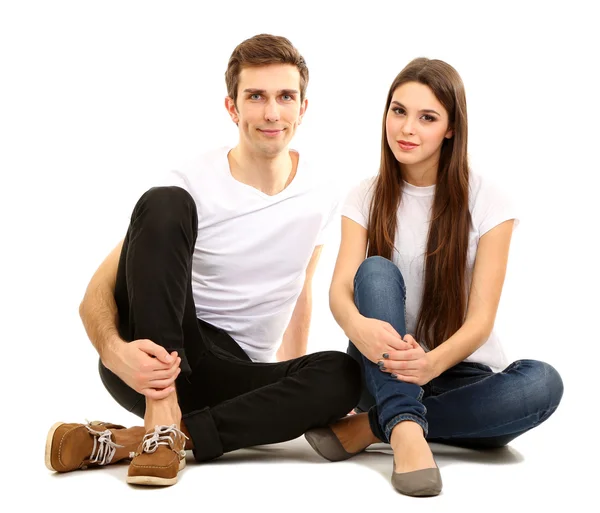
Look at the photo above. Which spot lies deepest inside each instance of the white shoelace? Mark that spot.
(162, 436)
(104, 447)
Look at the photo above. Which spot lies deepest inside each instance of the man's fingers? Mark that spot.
(158, 394)
(159, 352)
(160, 384)
(160, 379)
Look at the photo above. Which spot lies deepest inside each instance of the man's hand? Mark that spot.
(411, 365)
(146, 367)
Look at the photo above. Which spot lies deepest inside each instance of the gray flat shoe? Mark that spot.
(419, 483)
(327, 445)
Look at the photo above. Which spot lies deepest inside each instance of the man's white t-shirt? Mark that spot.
(488, 205)
(252, 249)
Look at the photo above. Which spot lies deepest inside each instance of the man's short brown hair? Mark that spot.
(261, 50)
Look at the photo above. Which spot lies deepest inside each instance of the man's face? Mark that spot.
(268, 108)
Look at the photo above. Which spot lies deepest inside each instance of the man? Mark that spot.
(213, 275)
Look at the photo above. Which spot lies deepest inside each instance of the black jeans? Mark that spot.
(227, 401)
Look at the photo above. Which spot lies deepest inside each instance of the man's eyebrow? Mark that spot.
(263, 91)
(428, 111)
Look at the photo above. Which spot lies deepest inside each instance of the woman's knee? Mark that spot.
(380, 276)
(543, 381)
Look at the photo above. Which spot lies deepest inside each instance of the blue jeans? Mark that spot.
(467, 405)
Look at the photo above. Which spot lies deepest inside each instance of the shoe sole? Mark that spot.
(48, 455)
(314, 444)
(328, 447)
(153, 480)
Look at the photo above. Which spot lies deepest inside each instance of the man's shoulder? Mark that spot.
(205, 162)
(197, 169)
(317, 173)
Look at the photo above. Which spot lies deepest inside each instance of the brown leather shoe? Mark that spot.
(159, 458)
(79, 446)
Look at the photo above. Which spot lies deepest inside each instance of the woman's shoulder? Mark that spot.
(366, 184)
(360, 190)
(490, 201)
(483, 188)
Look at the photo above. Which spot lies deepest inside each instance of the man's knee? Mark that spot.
(343, 376)
(166, 206)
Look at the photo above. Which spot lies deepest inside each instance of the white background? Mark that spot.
(99, 99)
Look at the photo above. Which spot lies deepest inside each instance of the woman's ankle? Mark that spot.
(404, 429)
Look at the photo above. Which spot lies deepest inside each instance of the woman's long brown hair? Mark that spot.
(444, 299)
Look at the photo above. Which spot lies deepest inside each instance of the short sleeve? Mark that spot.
(492, 205)
(329, 224)
(174, 178)
(357, 202)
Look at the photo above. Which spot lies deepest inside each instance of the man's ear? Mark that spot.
(303, 108)
(232, 110)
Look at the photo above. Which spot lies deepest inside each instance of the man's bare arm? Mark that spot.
(143, 365)
(98, 309)
(295, 339)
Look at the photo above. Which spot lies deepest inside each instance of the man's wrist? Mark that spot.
(109, 351)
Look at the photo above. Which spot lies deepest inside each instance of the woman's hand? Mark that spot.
(412, 365)
(375, 338)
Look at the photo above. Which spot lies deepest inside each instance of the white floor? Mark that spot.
(543, 469)
(98, 102)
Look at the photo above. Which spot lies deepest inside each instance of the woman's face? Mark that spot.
(416, 125)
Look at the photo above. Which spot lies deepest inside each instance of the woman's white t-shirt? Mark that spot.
(489, 206)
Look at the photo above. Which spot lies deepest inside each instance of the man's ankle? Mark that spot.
(162, 412)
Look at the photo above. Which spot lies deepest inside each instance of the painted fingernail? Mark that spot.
(394, 375)
(380, 364)
(386, 355)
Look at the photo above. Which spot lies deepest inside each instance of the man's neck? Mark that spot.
(270, 175)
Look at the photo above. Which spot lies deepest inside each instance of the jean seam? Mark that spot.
(402, 417)
(479, 435)
(420, 396)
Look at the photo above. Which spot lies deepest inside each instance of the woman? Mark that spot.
(436, 237)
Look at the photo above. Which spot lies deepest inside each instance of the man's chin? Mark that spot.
(273, 149)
